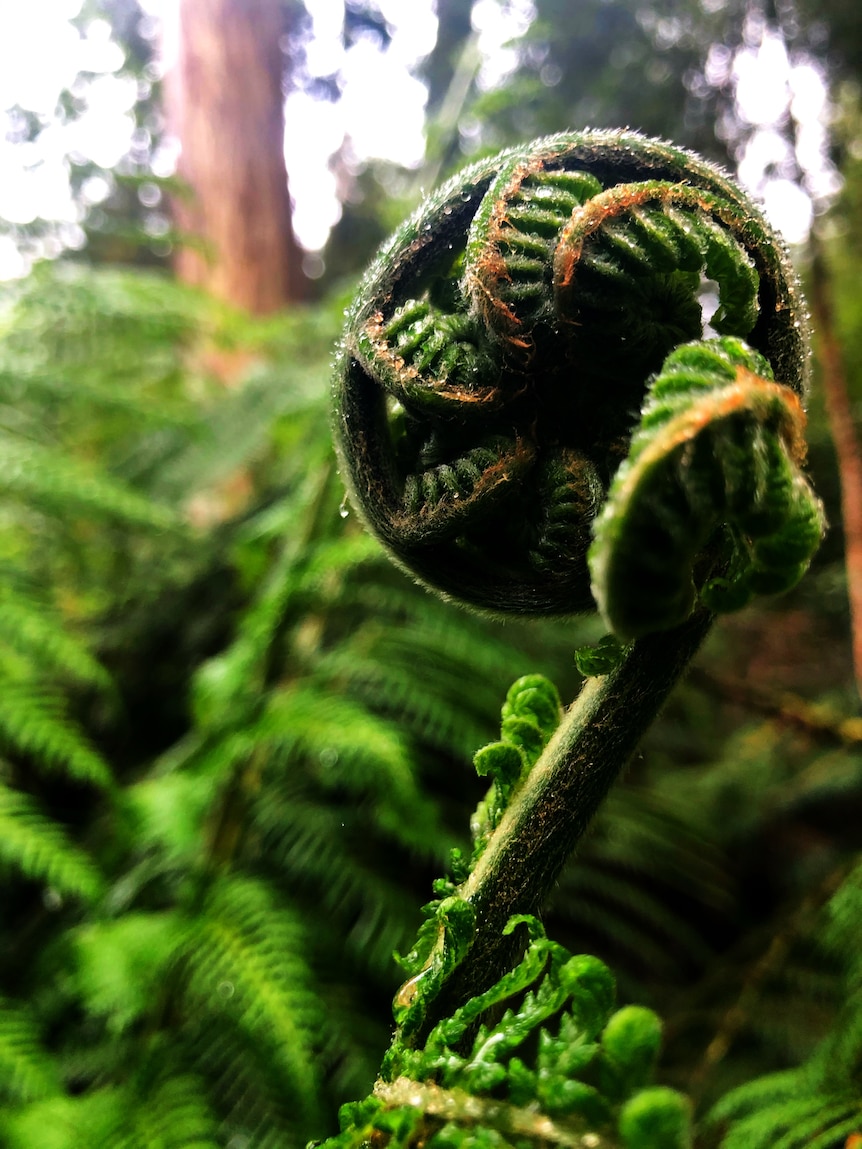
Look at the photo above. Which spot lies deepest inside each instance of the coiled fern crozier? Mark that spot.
(534, 415)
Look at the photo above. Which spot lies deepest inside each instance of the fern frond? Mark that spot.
(118, 965)
(343, 746)
(235, 432)
(173, 1114)
(321, 850)
(29, 627)
(88, 1121)
(797, 1122)
(246, 961)
(39, 847)
(167, 812)
(226, 686)
(818, 1104)
(247, 1090)
(34, 722)
(59, 484)
(27, 1072)
(620, 907)
(372, 756)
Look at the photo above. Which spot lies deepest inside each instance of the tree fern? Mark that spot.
(288, 771)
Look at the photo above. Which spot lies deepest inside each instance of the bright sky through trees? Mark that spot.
(41, 53)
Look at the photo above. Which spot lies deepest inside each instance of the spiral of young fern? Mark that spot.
(718, 453)
(434, 362)
(720, 444)
(601, 251)
(494, 338)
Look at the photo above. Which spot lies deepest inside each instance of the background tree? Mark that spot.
(225, 103)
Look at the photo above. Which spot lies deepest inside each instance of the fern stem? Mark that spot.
(550, 813)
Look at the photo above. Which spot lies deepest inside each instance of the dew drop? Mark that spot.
(344, 510)
(448, 209)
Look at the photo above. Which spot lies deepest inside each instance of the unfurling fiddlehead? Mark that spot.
(501, 352)
(534, 417)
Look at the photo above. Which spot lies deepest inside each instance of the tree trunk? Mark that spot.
(225, 104)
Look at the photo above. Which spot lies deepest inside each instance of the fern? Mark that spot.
(585, 1071)
(33, 721)
(819, 1103)
(169, 1114)
(286, 770)
(119, 964)
(38, 847)
(247, 957)
(28, 1072)
(35, 633)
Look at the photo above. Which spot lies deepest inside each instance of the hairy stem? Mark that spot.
(551, 812)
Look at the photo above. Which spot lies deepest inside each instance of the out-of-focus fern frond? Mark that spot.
(246, 959)
(636, 878)
(31, 628)
(317, 848)
(39, 848)
(27, 1072)
(34, 721)
(57, 484)
(119, 965)
(791, 1111)
(819, 1104)
(174, 1114)
(171, 1114)
(167, 813)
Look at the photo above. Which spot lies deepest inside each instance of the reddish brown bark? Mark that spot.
(840, 415)
(225, 105)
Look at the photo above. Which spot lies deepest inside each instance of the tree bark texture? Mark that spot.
(226, 106)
